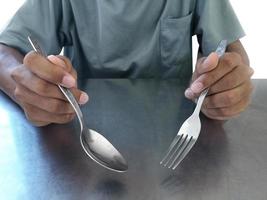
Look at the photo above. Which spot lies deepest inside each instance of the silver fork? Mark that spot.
(189, 131)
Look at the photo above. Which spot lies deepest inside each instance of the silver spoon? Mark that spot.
(96, 146)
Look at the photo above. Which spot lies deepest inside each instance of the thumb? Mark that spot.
(60, 62)
(57, 61)
(207, 64)
(204, 65)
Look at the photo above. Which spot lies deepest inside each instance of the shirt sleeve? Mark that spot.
(214, 21)
(41, 19)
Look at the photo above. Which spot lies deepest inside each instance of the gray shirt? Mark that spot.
(123, 38)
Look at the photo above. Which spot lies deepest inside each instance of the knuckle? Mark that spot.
(223, 112)
(16, 74)
(230, 98)
(67, 118)
(56, 107)
(18, 94)
(236, 56)
(227, 60)
(30, 58)
(41, 87)
(30, 115)
(231, 59)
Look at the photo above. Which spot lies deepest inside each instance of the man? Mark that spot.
(117, 39)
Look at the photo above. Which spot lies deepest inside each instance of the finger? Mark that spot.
(35, 114)
(69, 65)
(205, 64)
(26, 78)
(44, 69)
(189, 94)
(226, 64)
(238, 76)
(227, 112)
(57, 61)
(80, 96)
(43, 88)
(65, 63)
(229, 97)
(208, 64)
(51, 105)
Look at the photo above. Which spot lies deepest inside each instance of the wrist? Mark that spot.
(10, 59)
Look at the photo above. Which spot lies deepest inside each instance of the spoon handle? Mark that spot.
(67, 93)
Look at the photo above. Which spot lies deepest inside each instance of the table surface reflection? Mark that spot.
(140, 117)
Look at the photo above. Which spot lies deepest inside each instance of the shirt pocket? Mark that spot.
(175, 41)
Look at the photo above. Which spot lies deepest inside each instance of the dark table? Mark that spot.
(140, 117)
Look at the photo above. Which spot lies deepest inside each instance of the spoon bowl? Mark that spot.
(102, 151)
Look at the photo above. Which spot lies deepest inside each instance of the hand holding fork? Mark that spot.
(189, 131)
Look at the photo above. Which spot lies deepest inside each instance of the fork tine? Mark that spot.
(181, 149)
(182, 155)
(177, 149)
(171, 147)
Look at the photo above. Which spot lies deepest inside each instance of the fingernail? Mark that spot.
(57, 61)
(189, 94)
(197, 87)
(68, 81)
(83, 98)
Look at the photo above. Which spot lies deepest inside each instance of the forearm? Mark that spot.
(9, 59)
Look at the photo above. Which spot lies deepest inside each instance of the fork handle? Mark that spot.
(200, 101)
